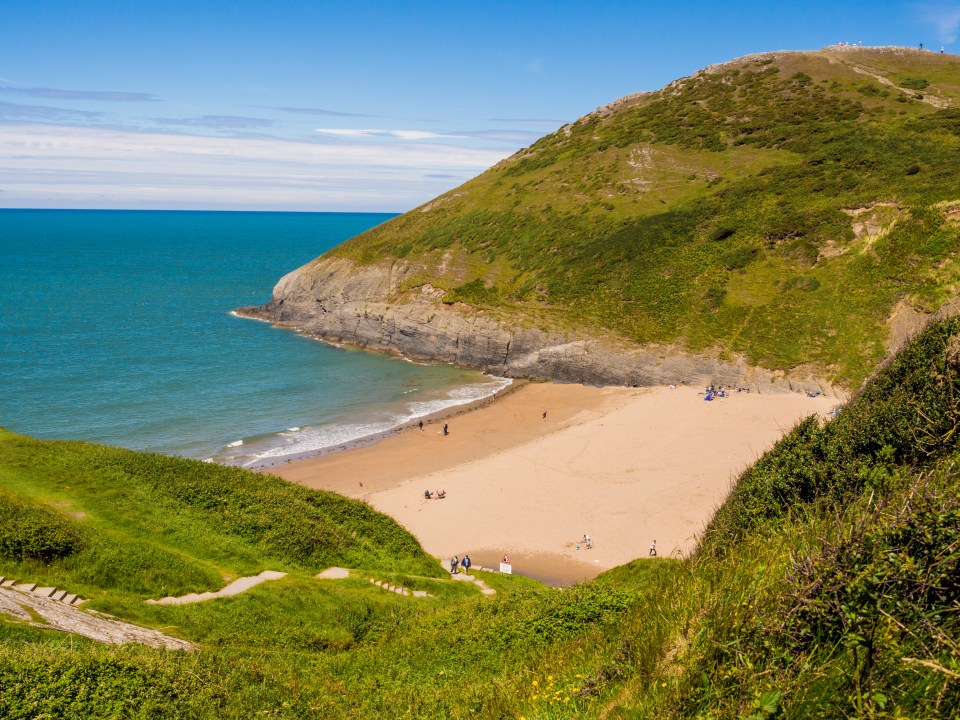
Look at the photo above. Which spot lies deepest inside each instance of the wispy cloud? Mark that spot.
(508, 136)
(60, 166)
(503, 136)
(945, 17)
(397, 134)
(97, 95)
(44, 113)
(219, 122)
(528, 121)
(325, 113)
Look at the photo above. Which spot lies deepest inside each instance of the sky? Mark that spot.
(353, 106)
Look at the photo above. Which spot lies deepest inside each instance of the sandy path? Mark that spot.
(235, 588)
(625, 465)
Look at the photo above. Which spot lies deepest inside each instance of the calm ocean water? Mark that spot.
(115, 327)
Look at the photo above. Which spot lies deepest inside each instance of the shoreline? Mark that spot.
(625, 465)
(450, 411)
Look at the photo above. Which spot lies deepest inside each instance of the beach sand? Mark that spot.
(626, 466)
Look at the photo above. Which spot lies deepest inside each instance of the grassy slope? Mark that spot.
(710, 213)
(824, 587)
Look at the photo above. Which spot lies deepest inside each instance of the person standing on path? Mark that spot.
(653, 549)
(454, 561)
(465, 563)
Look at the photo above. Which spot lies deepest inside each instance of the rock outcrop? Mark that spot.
(380, 308)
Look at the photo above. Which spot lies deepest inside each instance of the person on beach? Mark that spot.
(653, 549)
(465, 563)
(446, 430)
(506, 559)
(587, 543)
(454, 561)
(544, 414)
(421, 425)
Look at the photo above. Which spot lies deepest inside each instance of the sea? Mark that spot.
(116, 328)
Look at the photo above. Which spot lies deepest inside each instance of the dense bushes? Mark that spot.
(33, 532)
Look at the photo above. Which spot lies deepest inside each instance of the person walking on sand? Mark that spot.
(454, 561)
(653, 549)
(446, 430)
(421, 425)
(465, 563)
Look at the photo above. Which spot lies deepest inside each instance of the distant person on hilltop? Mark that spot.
(653, 549)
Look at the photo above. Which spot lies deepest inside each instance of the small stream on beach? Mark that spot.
(115, 327)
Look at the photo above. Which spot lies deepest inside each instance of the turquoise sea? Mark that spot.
(115, 327)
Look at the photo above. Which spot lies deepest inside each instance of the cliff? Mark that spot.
(365, 306)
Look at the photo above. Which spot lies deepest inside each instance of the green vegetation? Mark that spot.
(824, 587)
(773, 207)
(686, 215)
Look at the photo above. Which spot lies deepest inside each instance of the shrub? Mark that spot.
(33, 532)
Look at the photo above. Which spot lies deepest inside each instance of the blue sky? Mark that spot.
(297, 105)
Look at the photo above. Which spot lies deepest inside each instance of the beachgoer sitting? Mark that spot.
(441, 494)
(427, 494)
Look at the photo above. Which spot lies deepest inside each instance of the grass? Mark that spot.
(824, 587)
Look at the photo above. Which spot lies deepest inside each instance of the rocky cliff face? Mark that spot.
(370, 307)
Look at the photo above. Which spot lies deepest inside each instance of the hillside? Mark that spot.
(788, 213)
(824, 587)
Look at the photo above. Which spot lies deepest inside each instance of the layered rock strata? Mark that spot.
(377, 307)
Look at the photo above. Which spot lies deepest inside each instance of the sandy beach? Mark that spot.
(626, 466)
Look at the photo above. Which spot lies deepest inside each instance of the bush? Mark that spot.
(33, 532)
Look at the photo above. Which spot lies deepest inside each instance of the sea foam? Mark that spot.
(317, 439)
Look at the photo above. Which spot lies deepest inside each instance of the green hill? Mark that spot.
(784, 208)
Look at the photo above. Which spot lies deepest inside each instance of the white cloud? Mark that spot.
(944, 17)
(50, 166)
(399, 134)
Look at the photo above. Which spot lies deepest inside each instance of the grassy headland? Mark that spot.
(778, 207)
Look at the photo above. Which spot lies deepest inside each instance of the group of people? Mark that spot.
(711, 392)
(434, 494)
(456, 563)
